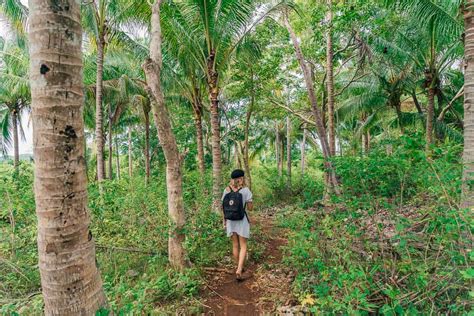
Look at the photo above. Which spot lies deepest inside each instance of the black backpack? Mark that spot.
(233, 205)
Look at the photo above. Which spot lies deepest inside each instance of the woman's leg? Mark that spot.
(235, 247)
(242, 254)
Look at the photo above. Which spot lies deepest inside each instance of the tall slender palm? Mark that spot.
(14, 95)
(102, 20)
(71, 281)
(468, 155)
(211, 30)
(152, 68)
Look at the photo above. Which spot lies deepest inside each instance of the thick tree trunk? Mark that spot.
(152, 68)
(467, 200)
(147, 147)
(70, 281)
(303, 153)
(110, 175)
(117, 157)
(16, 150)
(430, 117)
(130, 161)
(321, 131)
(330, 82)
(99, 134)
(288, 152)
(215, 130)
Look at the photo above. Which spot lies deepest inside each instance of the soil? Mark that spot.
(266, 284)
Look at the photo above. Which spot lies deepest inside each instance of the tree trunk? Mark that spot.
(152, 68)
(467, 200)
(430, 117)
(110, 175)
(277, 149)
(147, 147)
(16, 150)
(288, 152)
(215, 130)
(130, 166)
(330, 83)
(70, 280)
(321, 131)
(117, 157)
(199, 138)
(246, 159)
(99, 134)
(303, 153)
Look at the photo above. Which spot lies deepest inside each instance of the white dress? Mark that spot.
(240, 227)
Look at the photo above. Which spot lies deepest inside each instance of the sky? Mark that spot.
(26, 145)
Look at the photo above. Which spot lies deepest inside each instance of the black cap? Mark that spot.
(237, 173)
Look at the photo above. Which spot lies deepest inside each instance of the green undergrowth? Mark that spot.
(130, 227)
(395, 242)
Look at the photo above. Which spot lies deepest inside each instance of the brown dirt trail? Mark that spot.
(266, 284)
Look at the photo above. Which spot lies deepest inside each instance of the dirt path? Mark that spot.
(266, 283)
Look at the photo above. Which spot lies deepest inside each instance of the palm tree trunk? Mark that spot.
(152, 68)
(70, 280)
(430, 117)
(110, 175)
(288, 152)
(16, 150)
(334, 184)
(147, 147)
(117, 158)
(130, 166)
(215, 130)
(277, 148)
(330, 82)
(199, 138)
(303, 152)
(99, 134)
(467, 199)
(248, 177)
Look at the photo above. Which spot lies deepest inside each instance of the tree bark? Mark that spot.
(246, 158)
(321, 131)
(303, 153)
(130, 161)
(430, 117)
(277, 149)
(117, 158)
(16, 142)
(147, 147)
(288, 152)
(330, 82)
(70, 280)
(197, 108)
(467, 200)
(215, 130)
(99, 134)
(152, 68)
(110, 137)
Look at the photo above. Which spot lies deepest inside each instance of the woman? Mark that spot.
(239, 230)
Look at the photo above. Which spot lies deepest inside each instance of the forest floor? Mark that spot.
(266, 282)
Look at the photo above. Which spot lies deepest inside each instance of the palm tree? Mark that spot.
(14, 95)
(71, 282)
(431, 39)
(468, 155)
(212, 31)
(152, 68)
(102, 20)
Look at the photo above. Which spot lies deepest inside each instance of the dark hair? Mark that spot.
(237, 173)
